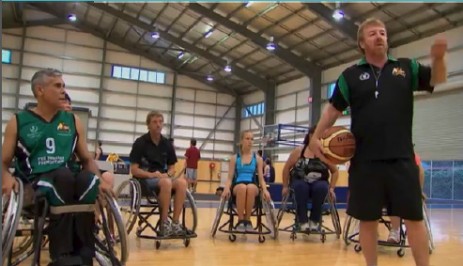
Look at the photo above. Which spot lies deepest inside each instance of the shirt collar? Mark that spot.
(363, 61)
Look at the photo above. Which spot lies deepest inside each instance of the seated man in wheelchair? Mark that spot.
(42, 140)
(241, 180)
(152, 161)
(309, 179)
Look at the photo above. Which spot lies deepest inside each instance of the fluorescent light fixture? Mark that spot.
(227, 68)
(155, 35)
(271, 46)
(208, 34)
(180, 55)
(338, 14)
(210, 77)
(72, 17)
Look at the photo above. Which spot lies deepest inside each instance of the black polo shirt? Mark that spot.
(151, 157)
(381, 103)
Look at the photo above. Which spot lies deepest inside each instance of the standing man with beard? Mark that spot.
(379, 89)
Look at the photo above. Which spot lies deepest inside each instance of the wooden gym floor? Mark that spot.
(447, 229)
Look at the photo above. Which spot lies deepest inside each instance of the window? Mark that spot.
(6, 56)
(117, 72)
(135, 73)
(257, 109)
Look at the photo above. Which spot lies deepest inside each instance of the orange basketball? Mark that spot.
(338, 144)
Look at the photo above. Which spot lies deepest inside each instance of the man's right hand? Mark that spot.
(9, 184)
(315, 145)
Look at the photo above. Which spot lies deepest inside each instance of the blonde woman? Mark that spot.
(242, 181)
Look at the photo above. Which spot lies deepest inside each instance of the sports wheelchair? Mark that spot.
(262, 208)
(288, 205)
(352, 225)
(22, 238)
(138, 202)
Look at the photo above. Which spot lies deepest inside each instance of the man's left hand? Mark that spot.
(439, 48)
(105, 187)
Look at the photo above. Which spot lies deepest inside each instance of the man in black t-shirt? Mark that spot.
(152, 162)
(379, 90)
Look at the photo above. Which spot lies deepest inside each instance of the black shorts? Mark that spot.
(393, 184)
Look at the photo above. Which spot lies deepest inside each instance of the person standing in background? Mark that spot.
(192, 156)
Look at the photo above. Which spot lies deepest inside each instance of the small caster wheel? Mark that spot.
(232, 238)
(186, 242)
(158, 244)
(400, 253)
(261, 239)
(323, 238)
(293, 236)
(357, 248)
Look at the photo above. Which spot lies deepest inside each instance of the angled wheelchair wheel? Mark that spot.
(190, 213)
(271, 219)
(335, 217)
(111, 238)
(282, 209)
(128, 196)
(218, 216)
(427, 223)
(22, 246)
(350, 230)
(11, 208)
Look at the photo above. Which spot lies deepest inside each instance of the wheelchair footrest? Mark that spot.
(72, 208)
(189, 234)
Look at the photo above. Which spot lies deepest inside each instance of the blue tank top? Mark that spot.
(245, 172)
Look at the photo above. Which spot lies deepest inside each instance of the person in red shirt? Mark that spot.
(192, 156)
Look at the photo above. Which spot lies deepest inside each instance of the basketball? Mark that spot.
(338, 144)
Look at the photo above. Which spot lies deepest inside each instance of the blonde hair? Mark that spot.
(152, 114)
(242, 134)
(365, 23)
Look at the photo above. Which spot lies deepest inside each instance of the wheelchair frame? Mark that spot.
(35, 237)
(262, 208)
(351, 237)
(293, 228)
(135, 213)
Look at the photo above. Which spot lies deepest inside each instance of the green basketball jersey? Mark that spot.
(44, 146)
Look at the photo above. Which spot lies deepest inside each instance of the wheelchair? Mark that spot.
(288, 205)
(137, 202)
(22, 238)
(262, 208)
(352, 225)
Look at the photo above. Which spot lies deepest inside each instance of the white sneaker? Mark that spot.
(314, 226)
(394, 236)
(305, 227)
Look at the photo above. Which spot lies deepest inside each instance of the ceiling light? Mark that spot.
(208, 34)
(338, 14)
(227, 68)
(72, 17)
(155, 35)
(271, 46)
(210, 77)
(180, 55)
